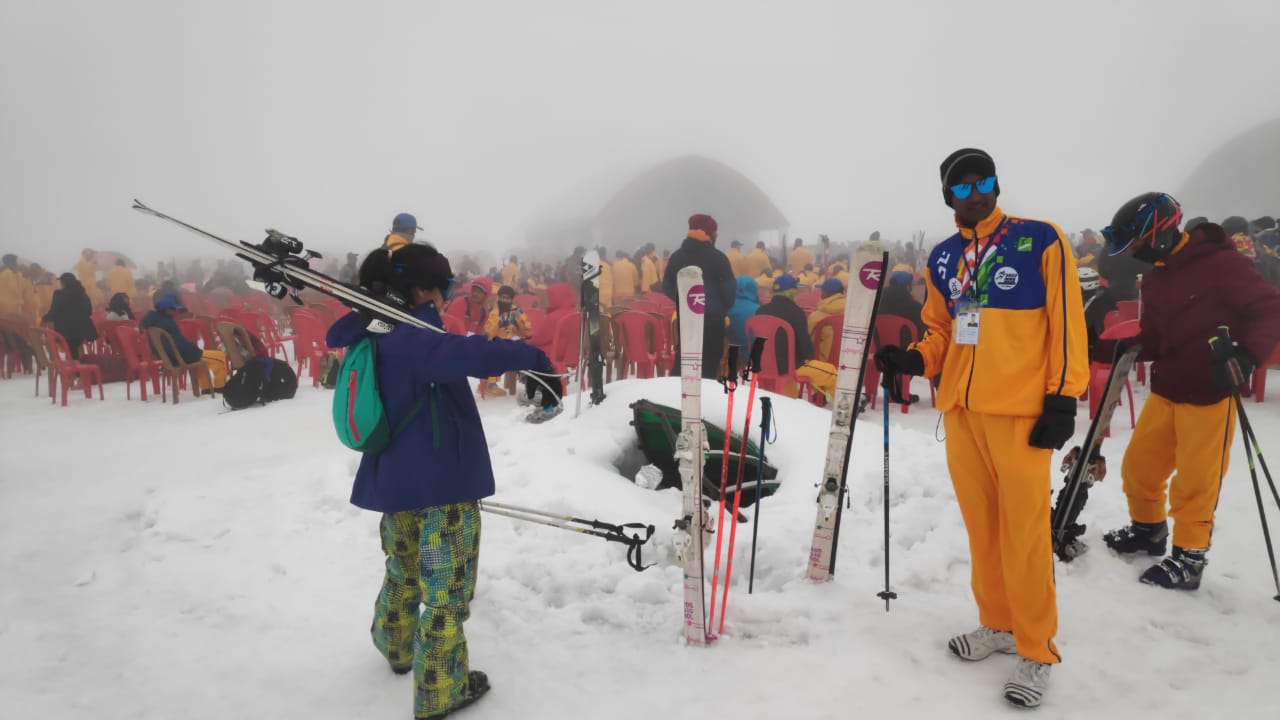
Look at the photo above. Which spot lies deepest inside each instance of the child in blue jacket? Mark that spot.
(428, 482)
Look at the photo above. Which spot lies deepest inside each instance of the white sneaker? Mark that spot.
(1028, 682)
(979, 644)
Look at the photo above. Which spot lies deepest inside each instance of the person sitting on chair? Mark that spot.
(165, 317)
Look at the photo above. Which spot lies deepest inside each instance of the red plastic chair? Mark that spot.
(536, 317)
(808, 300)
(142, 366)
(308, 343)
(891, 330)
(264, 327)
(639, 335)
(1128, 309)
(1099, 371)
(1260, 375)
(567, 343)
(645, 306)
(664, 341)
(197, 331)
(528, 302)
(65, 367)
(772, 377)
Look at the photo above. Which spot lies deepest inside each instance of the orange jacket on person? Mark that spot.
(648, 273)
(626, 279)
(758, 261)
(511, 275)
(120, 280)
(606, 284)
(511, 325)
(87, 273)
(798, 258)
(13, 293)
(1032, 338)
(828, 306)
(395, 241)
(737, 261)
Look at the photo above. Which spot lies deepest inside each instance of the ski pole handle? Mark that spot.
(730, 377)
(753, 367)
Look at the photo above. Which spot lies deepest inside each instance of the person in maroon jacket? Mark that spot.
(1200, 282)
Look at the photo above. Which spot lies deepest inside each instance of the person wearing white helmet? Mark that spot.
(1097, 303)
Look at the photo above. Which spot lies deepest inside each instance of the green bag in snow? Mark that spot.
(358, 414)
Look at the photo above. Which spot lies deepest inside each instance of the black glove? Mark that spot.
(893, 362)
(544, 380)
(1056, 426)
(1232, 367)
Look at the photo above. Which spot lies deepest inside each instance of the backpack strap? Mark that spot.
(428, 395)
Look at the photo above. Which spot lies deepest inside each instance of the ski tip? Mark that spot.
(139, 205)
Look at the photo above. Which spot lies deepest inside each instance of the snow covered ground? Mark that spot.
(187, 563)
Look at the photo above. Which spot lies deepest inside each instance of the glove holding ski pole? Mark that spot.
(893, 361)
(1232, 366)
(544, 381)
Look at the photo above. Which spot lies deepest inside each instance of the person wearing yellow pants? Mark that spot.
(1005, 328)
(164, 316)
(1188, 423)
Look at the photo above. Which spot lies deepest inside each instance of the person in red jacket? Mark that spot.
(1200, 282)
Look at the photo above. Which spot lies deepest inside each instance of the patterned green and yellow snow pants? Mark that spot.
(432, 556)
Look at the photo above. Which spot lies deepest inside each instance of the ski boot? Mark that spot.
(1180, 571)
(1027, 684)
(477, 686)
(981, 643)
(1151, 538)
(541, 415)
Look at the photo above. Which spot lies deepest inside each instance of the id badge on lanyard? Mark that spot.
(968, 323)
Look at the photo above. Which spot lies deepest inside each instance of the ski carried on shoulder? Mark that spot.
(283, 266)
(690, 448)
(1084, 464)
(866, 278)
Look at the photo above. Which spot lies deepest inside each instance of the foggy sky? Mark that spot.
(324, 119)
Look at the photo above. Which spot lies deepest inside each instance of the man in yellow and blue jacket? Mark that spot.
(1006, 331)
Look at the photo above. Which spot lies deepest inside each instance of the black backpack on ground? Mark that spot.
(261, 380)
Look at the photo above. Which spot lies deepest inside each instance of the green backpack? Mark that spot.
(358, 414)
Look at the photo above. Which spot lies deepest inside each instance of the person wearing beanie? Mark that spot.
(799, 257)
(1198, 284)
(782, 305)
(1006, 332)
(428, 482)
(699, 250)
(737, 260)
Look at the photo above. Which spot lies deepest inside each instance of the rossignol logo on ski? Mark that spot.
(870, 273)
(697, 299)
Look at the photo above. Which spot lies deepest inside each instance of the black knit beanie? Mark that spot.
(962, 162)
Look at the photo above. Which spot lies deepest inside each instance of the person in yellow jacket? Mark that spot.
(87, 274)
(606, 279)
(15, 297)
(832, 303)
(648, 269)
(737, 260)
(799, 257)
(758, 261)
(120, 280)
(626, 279)
(1006, 330)
(42, 285)
(511, 272)
(506, 321)
(809, 278)
(404, 228)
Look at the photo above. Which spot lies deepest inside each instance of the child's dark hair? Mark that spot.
(417, 265)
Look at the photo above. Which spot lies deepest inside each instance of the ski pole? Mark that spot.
(887, 594)
(1221, 347)
(730, 383)
(596, 528)
(752, 370)
(766, 410)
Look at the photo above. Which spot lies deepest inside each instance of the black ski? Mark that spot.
(1084, 465)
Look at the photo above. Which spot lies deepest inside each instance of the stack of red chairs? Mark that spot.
(308, 342)
(641, 334)
(890, 330)
(772, 377)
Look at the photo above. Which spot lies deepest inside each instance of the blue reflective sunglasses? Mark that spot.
(964, 190)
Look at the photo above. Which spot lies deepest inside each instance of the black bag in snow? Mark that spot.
(261, 380)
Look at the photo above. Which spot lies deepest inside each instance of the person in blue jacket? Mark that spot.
(428, 482)
(745, 305)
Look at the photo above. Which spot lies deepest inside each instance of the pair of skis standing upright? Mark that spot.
(1083, 465)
